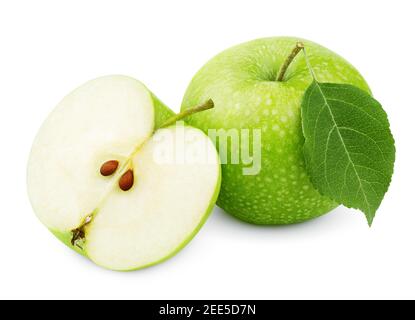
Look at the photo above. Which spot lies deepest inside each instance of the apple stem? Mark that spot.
(298, 47)
(180, 116)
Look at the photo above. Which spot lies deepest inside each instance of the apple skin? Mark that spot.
(161, 113)
(241, 82)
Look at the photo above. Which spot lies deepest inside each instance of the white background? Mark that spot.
(47, 48)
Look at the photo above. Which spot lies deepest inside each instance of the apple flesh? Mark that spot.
(116, 118)
(243, 83)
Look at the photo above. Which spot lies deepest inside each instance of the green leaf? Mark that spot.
(349, 148)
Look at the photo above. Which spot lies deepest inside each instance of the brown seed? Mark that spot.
(127, 180)
(109, 167)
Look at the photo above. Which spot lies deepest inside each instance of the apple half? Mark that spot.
(110, 181)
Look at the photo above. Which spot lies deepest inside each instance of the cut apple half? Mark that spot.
(117, 178)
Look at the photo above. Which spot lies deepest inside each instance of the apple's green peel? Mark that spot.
(242, 83)
(161, 112)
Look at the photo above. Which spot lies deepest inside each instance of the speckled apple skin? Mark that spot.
(241, 82)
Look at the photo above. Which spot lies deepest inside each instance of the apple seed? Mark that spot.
(109, 167)
(127, 180)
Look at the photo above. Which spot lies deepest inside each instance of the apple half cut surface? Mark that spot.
(110, 181)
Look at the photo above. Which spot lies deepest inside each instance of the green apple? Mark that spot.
(242, 81)
(115, 184)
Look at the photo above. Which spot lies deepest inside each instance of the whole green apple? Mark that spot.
(242, 81)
